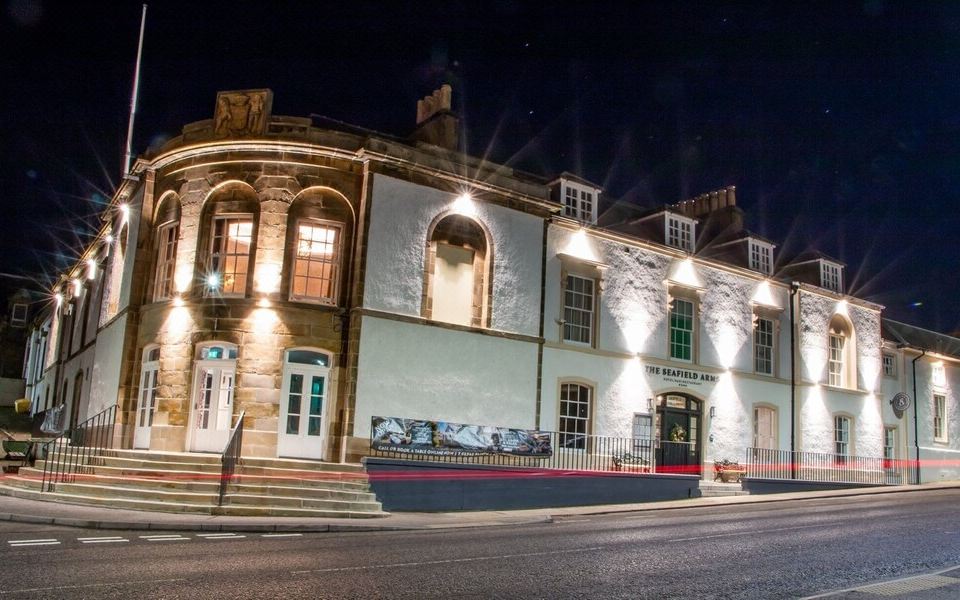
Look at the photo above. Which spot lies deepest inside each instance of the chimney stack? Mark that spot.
(436, 122)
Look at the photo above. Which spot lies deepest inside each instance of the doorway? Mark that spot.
(303, 404)
(213, 384)
(678, 427)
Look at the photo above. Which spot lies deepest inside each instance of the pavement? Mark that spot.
(94, 517)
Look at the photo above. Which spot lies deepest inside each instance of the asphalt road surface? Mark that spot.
(778, 550)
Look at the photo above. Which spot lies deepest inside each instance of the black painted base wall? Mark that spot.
(779, 486)
(413, 485)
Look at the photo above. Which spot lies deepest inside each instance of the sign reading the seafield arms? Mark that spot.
(682, 377)
(440, 438)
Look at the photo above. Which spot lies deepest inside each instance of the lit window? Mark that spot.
(680, 232)
(841, 354)
(230, 248)
(763, 346)
(578, 309)
(830, 276)
(316, 270)
(761, 257)
(579, 202)
(841, 436)
(681, 330)
(574, 416)
(166, 261)
(939, 417)
(889, 365)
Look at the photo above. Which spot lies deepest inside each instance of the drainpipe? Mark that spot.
(794, 298)
(916, 414)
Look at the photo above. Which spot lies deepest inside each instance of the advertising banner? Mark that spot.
(441, 438)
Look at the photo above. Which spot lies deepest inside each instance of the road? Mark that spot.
(776, 550)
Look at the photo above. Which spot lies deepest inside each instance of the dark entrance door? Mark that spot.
(678, 434)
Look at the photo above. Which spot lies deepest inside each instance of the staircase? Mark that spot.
(712, 489)
(190, 483)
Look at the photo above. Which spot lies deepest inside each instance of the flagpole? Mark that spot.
(133, 96)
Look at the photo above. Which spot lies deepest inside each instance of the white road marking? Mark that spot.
(562, 521)
(280, 535)
(88, 585)
(31, 541)
(220, 536)
(19, 544)
(446, 561)
(163, 538)
(105, 541)
(102, 537)
(752, 532)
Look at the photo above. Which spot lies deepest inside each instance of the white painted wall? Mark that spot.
(401, 213)
(424, 372)
(105, 370)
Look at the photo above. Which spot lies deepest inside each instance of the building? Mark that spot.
(311, 278)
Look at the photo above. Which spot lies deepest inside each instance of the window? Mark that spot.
(579, 202)
(680, 232)
(830, 276)
(889, 365)
(841, 436)
(18, 315)
(578, 309)
(166, 261)
(939, 373)
(835, 361)
(939, 418)
(889, 446)
(681, 330)
(458, 277)
(316, 269)
(642, 427)
(574, 415)
(761, 257)
(764, 428)
(763, 336)
(230, 247)
(841, 354)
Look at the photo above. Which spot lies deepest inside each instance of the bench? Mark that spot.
(728, 472)
(630, 460)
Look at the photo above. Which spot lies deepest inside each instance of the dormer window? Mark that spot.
(680, 232)
(761, 257)
(18, 318)
(830, 276)
(579, 202)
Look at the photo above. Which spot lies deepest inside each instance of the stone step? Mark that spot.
(714, 489)
(131, 492)
(295, 502)
(269, 511)
(111, 502)
(211, 458)
(161, 456)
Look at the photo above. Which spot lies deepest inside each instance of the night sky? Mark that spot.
(839, 122)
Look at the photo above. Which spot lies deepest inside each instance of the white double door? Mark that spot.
(146, 405)
(303, 421)
(212, 405)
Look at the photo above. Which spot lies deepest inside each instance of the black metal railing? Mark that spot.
(573, 452)
(764, 463)
(77, 450)
(230, 458)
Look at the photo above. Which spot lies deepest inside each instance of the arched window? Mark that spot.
(167, 234)
(228, 221)
(841, 357)
(458, 268)
(319, 230)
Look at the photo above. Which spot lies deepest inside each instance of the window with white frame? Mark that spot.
(835, 367)
(841, 436)
(578, 309)
(889, 445)
(761, 257)
(940, 417)
(889, 364)
(230, 247)
(574, 426)
(166, 261)
(18, 315)
(316, 269)
(939, 374)
(830, 276)
(680, 232)
(763, 336)
(681, 329)
(149, 375)
(579, 202)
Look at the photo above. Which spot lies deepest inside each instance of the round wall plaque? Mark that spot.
(900, 403)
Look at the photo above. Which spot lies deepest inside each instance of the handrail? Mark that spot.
(75, 450)
(230, 457)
